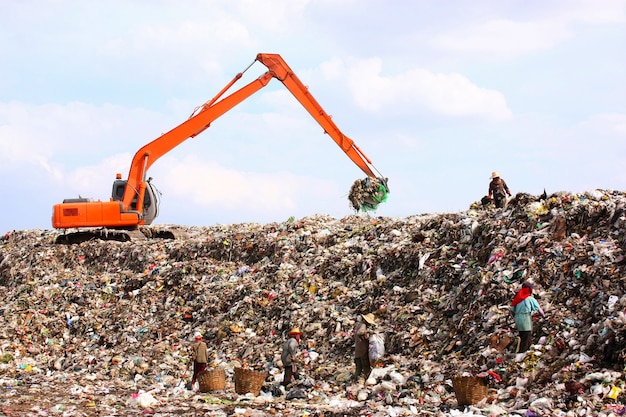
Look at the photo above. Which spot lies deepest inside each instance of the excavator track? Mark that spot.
(135, 235)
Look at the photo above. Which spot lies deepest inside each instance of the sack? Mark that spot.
(295, 393)
(376, 347)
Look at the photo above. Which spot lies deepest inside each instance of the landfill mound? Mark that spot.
(104, 327)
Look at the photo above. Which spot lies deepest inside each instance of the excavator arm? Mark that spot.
(281, 71)
(210, 111)
(126, 208)
(196, 124)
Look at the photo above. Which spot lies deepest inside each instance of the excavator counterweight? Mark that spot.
(134, 202)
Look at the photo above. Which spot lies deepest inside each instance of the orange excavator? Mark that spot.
(135, 201)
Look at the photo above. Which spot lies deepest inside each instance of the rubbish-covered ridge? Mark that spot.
(104, 327)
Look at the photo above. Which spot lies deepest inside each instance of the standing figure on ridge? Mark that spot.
(498, 190)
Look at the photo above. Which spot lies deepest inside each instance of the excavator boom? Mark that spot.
(134, 201)
(281, 71)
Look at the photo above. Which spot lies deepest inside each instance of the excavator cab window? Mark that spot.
(147, 199)
(119, 186)
(150, 203)
(150, 199)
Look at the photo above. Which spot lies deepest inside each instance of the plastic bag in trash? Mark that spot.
(146, 400)
(376, 347)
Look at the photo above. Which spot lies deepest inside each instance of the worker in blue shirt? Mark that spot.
(523, 307)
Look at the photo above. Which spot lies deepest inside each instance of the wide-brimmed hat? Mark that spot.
(295, 330)
(369, 318)
(495, 174)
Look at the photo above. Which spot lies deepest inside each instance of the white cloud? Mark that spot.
(272, 15)
(95, 181)
(502, 37)
(208, 184)
(595, 11)
(609, 123)
(418, 89)
(194, 33)
(66, 144)
(22, 144)
(19, 152)
(333, 69)
(505, 37)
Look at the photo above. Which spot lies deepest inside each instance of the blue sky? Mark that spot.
(438, 94)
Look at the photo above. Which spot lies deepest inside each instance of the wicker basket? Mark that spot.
(469, 389)
(212, 380)
(247, 380)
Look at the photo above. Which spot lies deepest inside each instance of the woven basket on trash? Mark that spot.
(248, 380)
(212, 380)
(469, 389)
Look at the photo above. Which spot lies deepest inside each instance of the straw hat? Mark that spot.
(369, 318)
(295, 330)
(495, 174)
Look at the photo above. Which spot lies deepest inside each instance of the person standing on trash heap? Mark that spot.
(199, 355)
(498, 190)
(289, 357)
(523, 307)
(361, 345)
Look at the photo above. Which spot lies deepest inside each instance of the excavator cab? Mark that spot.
(151, 199)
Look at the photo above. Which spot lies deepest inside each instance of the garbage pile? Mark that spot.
(104, 327)
(367, 193)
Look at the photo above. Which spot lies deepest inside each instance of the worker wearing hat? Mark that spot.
(289, 356)
(199, 355)
(361, 345)
(498, 190)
